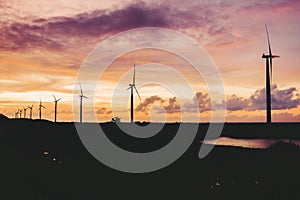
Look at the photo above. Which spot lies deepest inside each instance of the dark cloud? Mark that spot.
(171, 105)
(54, 33)
(281, 99)
(20, 36)
(101, 22)
(235, 103)
(57, 33)
(201, 100)
(144, 106)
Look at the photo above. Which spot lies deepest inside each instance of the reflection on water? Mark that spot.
(246, 143)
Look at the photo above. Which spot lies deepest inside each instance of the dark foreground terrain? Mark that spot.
(43, 160)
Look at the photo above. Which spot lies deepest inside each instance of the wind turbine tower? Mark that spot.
(30, 107)
(269, 74)
(40, 108)
(55, 107)
(17, 114)
(132, 88)
(20, 112)
(25, 109)
(81, 97)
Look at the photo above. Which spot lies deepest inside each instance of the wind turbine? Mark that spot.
(40, 108)
(131, 87)
(81, 97)
(25, 112)
(269, 74)
(16, 114)
(30, 107)
(55, 107)
(20, 112)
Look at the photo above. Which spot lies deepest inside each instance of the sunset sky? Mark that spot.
(43, 43)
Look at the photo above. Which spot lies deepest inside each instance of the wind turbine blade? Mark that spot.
(58, 99)
(133, 79)
(137, 93)
(54, 97)
(84, 97)
(271, 69)
(43, 106)
(270, 52)
(80, 89)
(128, 88)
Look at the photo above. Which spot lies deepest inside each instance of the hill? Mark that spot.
(3, 117)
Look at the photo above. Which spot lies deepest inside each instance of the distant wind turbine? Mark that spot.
(269, 74)
(40, 108)
(55, 107)
(25, 112)
(17, 114)
(131, 87)
(30, 107)
(20, 112)
(81, 97)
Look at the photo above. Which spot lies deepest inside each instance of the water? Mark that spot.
(247, 143)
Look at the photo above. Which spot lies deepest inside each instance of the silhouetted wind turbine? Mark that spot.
(20, 112)
(17, 114)
(25, 112)
(269, 74)
(131, 87)
(30, 107)
(55, 107)
(81, 97)
(40, 108)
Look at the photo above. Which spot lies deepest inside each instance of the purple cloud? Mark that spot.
(170, 105)
(57, 33)
(281, 99)
(201, 100)
(235, 103)
(144, 106)
(211, 19)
